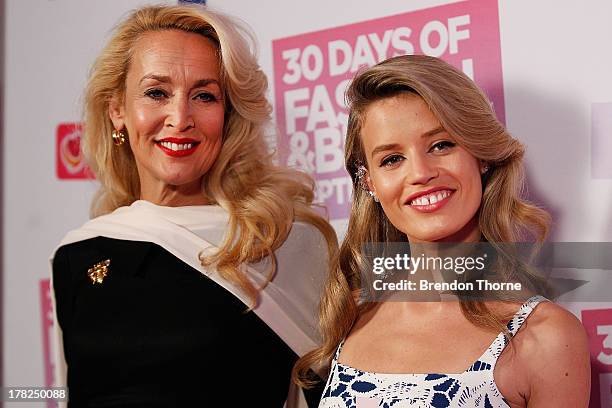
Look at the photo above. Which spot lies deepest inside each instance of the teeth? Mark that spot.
(431, 198)
(176, 146)
(423, 201)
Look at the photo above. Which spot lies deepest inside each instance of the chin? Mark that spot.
(178, 180)
(436, 235)
(458, 235)
(427, 238)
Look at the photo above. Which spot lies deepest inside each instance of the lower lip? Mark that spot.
(177, 153)
(432, 207)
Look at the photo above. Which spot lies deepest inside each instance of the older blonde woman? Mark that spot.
(192, 226)
(433, 168)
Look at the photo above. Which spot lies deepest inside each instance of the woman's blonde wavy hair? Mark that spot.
(262, 199)
(467, 115)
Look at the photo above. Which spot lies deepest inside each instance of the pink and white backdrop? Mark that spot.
(546, 67)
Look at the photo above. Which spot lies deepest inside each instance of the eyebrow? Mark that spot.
(395, 146)
(383, 148)
(433, 132)
(167, 79)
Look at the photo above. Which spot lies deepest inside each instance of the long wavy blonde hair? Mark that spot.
(262, 199)
(504, 216)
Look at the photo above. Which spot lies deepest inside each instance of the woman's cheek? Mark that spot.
(389, 186)
(147, 116)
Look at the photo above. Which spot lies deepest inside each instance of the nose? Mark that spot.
(421, 168)
(179, 115)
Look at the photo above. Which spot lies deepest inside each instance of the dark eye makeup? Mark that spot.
(206, 97)
(155, 93)
(391, 159)
(158, 94)
(442, 145)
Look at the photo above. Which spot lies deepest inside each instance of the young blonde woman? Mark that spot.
(430, 163)
(197, 280)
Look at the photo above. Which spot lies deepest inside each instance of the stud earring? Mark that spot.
(484, 169)
(118, 137)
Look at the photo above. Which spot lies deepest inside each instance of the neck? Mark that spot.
(451, 246)
(173, 196)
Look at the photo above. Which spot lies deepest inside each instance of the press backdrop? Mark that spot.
(546, 66)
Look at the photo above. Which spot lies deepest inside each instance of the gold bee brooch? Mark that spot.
(98, 272)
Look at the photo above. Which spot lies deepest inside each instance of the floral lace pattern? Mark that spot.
(348, 387)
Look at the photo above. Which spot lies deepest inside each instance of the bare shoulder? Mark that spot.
(552, 348)
(551, 331)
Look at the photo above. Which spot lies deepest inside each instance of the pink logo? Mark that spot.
(598, 324)
(69, 157)
(312, 71)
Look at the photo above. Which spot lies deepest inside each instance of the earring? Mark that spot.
(361, 172)
(118, 137)
(485, 169)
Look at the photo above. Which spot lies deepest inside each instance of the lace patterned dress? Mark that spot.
(348, 387)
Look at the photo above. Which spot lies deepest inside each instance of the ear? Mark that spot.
(369, 182)
(116, 112)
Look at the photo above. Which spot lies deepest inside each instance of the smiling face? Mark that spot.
(429, 187)
(173, 112)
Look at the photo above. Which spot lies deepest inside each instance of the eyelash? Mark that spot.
(395, 158)
(443, 143)
(155, 94)
(158, 94)
(389, 160)
(209, 97)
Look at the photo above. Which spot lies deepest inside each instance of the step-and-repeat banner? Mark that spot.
(543, 65)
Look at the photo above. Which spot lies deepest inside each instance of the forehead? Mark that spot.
(399, 119)
(174, 53)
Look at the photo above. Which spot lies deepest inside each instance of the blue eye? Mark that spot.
(155, 93)
(206, 97)
(391, 160)
(443, 145)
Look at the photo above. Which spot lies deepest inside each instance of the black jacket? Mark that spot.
(157, 333)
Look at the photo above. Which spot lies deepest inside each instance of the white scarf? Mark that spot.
(288, 304)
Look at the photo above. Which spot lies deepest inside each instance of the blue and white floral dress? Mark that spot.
(348, 387)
